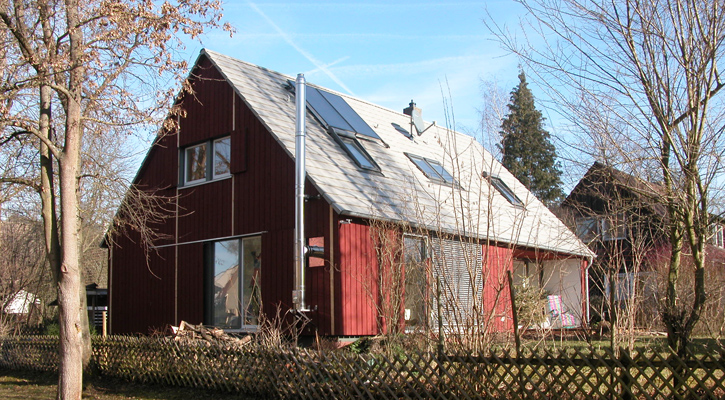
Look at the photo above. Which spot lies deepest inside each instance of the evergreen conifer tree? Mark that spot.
(526, 149)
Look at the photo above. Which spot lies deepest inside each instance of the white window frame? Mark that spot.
(718, 235)
(214, 160)
(187, 151)
(210, 174)
(243, 289)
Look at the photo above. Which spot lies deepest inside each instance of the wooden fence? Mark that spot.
(300, 373)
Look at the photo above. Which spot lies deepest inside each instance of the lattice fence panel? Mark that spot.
(306, 374)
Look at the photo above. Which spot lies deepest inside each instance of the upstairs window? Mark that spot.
(613, 227)
(432, 169)
(222, 153)
(355, 150)
(607, 228)
(206, 161)
(195, 162)
(586, 228)
(504, 190)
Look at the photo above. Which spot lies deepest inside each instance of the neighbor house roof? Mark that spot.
(611, 187)
(400, 191)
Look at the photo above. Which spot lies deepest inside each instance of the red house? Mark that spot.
(393, 206)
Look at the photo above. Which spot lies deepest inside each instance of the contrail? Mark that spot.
(319, 64)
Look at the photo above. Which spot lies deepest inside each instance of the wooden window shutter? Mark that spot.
(240, 140)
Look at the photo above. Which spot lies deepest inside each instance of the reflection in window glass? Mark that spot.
(441, 171)
(357, 153)
(586, 228)
(416, 286)
(226, 285)
(506, 191)
(252, 257)
(195, 163)
(237, 297)
(222, 152)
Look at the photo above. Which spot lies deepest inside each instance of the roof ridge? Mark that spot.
(341, 94)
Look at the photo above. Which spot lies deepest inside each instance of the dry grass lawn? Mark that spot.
(27, 385)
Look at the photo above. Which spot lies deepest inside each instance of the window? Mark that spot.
(355, 150)
(718, 235)
(586, 228)
(416, 286)
(613, 227)
(222, 153)
(432, 169)
(233, 295)
(458, 266)
(527, 273)
(401, 130)
(206, 161)
(195, 164)
(504, 190)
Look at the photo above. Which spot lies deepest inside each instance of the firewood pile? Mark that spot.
(187, 332)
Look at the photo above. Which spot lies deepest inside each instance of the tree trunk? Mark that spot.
(47, 194)
(70, 384)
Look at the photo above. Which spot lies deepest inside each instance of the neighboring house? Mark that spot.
(21, 304)
(443, 201)
(97, 305)
(623, 220)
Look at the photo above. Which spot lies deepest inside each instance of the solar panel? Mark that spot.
(336, 113)
(349, 115)
(325, 110)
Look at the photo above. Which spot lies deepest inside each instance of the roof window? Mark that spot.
(504, 190)
(355, 150)
(432, 169)
(402, 130)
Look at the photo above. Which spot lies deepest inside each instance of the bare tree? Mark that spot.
(94, 68)
(651, 70)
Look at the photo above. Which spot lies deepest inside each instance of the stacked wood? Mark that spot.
(190, 332)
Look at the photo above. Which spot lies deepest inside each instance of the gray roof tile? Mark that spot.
(402, 192)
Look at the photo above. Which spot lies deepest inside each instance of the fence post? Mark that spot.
(626, 376)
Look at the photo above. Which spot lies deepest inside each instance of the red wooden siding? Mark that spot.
(209, 109)
(358, 286)
(257, 198)
(496, 298)
(205, 211)
(138, 288)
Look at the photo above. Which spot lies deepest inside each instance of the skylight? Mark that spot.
(334, 111)
(358, 153)
(402, 130)
(505, 191)
(432, 169)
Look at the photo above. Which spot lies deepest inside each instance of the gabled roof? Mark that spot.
(401, 191)
(605, 184)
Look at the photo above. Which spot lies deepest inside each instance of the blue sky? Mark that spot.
(385, 52)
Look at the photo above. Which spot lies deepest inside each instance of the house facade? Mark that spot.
(402, 216)
(622, 219)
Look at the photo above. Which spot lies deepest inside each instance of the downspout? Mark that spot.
(298, 294)
(586, 281)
